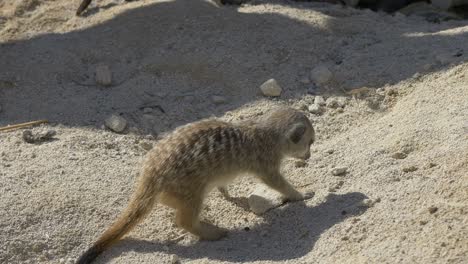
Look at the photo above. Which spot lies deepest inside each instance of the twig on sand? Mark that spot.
(32, 123)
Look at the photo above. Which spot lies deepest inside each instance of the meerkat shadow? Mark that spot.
(288, 232)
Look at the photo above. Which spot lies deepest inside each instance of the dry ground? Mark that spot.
(172, 57)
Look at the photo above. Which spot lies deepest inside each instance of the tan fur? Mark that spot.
(187, 164)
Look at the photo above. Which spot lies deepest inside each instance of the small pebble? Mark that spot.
(339, 171)
(410, 169)
(103, 75)
(318, 100)
(330, 151)
(116, 123)
(30, 137)
(146, 145)
(315, 109)
(423, 222)
(174, 259)
(399, 155)
(217, 99)
(433, 209)
(271, 88)
(299, 163)
(369, 202)
(321, 75)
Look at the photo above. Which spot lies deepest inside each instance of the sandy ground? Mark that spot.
(168, 60)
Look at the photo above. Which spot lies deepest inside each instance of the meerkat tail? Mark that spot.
(82, 7)
(140, 205)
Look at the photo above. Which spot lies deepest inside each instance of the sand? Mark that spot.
(171, 62)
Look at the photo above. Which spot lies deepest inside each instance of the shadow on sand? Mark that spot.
(289, 232)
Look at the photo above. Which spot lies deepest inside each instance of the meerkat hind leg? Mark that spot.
(187, 217)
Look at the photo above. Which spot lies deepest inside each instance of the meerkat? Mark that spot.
(185, 165)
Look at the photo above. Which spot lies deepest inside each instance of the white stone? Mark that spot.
(103, 75)
(315, 109)
(321, 75)
(339, 171)
(263, 199)
(271, 88)
(116, 123)
(318, 100)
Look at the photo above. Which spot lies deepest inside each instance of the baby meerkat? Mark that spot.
(188, 163)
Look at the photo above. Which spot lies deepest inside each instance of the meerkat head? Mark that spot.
(294, 128)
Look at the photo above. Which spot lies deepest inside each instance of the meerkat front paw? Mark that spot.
(299, 197)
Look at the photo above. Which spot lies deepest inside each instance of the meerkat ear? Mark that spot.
(296, 132)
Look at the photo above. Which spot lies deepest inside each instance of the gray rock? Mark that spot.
(271, 88)
(432, 209)
(321, 75)
(103, 75)
(263, 199)
(116, 123)
(147, 110)
(32, 138)
(339, 171)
